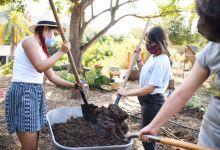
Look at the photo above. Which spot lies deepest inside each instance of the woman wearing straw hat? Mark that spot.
(25, 100)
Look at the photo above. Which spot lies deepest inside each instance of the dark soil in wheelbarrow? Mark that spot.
(77, 132)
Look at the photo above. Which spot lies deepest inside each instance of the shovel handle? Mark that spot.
(172, 142)
(177, 143)
(70, 56)
(117, 99)
(182, 144)
(72, 63)
(132, 62)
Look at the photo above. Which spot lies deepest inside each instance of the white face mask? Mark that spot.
(50, 41)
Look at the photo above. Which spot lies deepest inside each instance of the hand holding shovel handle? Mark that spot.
(172, 142)
(132, 62)
(87, 109)
(72, 63)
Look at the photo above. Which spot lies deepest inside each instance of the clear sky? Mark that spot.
(38, 10)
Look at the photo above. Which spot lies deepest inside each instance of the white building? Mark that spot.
(4, 54)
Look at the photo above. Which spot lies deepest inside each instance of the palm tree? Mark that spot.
(1, 34)
(13, 23)
(16, 28)
(3, 19)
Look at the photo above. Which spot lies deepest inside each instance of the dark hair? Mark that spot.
(39, 30)
(158, 35)
(209, 14)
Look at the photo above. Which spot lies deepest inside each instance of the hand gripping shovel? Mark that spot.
(172, 142)
(87, 109)
(101, 130)
(132, 62)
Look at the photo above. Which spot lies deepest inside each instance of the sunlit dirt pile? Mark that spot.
(109, 129)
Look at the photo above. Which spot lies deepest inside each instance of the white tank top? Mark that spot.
(23, 70)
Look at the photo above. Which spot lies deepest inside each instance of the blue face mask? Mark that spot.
(50, 41)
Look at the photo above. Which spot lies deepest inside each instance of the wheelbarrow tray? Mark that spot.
(61, 115)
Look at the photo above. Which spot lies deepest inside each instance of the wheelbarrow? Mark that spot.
(61, 115)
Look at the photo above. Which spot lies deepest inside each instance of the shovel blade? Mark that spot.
(88, 112)
(102, 131)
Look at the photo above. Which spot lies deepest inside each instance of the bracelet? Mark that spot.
(139, 60)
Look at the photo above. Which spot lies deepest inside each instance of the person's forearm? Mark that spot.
(46, 64)
(139, 62)
(60, 82)
(140, 92)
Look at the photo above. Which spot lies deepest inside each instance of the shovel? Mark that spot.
(132, 62)
(87, 109)
(101, 130)
(172, 142)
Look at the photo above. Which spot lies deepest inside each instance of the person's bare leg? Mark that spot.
(29, 141)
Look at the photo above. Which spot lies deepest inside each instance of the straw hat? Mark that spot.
(43, 23)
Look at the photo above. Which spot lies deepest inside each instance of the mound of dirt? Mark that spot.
(77, 132)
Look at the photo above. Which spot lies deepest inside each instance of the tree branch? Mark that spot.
(104, 30)
(155, 16)
(85, 4)
(126, 2)
(93, 18)
(117, 2)
(87, 45)
(111, 9)
(92, 12)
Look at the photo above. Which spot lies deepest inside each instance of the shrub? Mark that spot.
(101, 80)
(96, 53)
(111, 50)
(7, 69)
(68, 76)
(95, 78)
(90, 78)
(195, 102)
(62, 64)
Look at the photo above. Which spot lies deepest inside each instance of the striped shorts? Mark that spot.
(25, 108)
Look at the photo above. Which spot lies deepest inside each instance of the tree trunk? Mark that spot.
(12, 43)
(75, 40)
(77, 56)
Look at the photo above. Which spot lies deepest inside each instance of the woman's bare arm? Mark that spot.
(137, 92)
(57, 80)
(31, 48)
